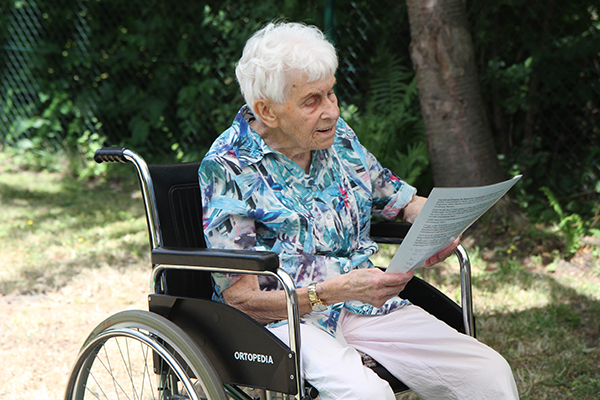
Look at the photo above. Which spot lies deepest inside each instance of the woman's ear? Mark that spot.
(263, 109)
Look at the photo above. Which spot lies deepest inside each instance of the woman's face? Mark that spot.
(307, 120)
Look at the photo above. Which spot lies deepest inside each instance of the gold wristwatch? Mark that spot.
(316, 304)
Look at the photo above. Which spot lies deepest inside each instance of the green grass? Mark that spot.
(540, 311)
(52, 226)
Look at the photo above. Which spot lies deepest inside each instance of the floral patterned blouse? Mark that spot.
(256, 198)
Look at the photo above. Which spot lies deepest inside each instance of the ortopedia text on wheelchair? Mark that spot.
(261, 260)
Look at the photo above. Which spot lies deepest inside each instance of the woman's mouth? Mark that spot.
(326, 130)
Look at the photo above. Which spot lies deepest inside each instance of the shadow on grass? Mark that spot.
(72, 225)
(555, 349)
(73, 198)
(546, 324)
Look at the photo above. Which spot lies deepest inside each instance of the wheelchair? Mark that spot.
(189, 347)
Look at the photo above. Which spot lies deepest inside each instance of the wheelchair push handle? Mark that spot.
(110, 154)
(123, 155)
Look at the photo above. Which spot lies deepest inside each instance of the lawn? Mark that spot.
(75, 252)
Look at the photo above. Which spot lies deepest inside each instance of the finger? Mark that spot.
(398, 278)
(389, 282)
(442, 254)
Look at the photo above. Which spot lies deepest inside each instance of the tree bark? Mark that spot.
(459, 137)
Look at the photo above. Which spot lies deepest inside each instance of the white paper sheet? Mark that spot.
(447, 213)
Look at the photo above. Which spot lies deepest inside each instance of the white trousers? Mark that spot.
(434, 360)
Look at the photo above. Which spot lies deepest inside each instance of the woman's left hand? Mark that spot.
(410, 215)
(442, 254)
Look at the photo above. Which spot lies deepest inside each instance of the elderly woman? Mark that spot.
(290, 176)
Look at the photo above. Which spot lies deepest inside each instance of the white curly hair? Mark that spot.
(278, 52)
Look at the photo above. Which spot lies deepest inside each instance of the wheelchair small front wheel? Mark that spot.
(142, 355)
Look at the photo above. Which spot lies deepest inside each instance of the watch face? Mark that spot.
(319, 307)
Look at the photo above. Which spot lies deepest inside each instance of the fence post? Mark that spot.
(329, 21)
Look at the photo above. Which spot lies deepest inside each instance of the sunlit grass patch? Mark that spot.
(54, 226)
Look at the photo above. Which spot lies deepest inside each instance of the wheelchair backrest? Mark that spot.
(255, 358)
(179, 204)
(179, 208)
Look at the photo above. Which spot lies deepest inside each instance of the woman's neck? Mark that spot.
(303, 159)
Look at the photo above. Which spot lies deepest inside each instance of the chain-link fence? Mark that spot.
(92, 63)
(158, 75)
(148, 74)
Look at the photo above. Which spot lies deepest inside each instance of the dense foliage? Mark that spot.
(157, 76)
(145, 74)
(541, 77)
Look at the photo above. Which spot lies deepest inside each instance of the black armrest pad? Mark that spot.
(389, 231)
(257, 261)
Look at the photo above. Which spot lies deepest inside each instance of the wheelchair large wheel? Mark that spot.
(141, 355)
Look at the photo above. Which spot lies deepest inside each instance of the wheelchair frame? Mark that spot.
(246, 262)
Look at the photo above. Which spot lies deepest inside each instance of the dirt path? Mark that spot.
(40, 335)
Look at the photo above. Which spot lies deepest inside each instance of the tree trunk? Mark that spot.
(459, 137)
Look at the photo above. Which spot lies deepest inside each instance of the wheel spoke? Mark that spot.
(108, 368)
(148, 358)
(126, 359)
(100, 387)
(146, 373)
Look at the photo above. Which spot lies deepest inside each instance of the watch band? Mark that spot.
(316, 304)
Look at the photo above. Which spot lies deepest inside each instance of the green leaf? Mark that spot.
(140, 130)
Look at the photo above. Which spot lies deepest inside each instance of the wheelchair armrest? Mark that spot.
(390, 232)
(216, 259)
(239, 261)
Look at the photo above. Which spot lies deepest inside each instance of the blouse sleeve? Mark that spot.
(226, 223)
(390, 194)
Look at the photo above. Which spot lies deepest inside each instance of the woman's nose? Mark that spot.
(332, 110)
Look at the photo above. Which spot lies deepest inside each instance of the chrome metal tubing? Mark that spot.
(148, 196)
(466, 290)
(293, 325)
(293, 313)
